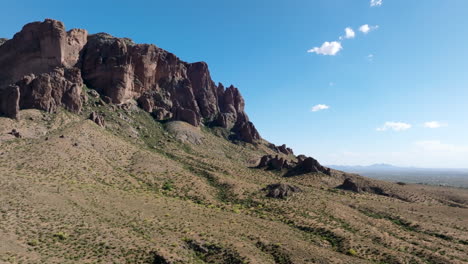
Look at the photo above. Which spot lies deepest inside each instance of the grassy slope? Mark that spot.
(132, 191)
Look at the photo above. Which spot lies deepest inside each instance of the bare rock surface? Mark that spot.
(185, 132)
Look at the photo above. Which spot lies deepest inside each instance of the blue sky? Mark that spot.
(381, 87)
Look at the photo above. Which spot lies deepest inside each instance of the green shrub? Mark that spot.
(352, 252)
(168, 186)
(61, 235)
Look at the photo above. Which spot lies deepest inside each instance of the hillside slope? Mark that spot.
(132, 192)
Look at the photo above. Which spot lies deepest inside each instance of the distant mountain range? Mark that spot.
(457, 177)
(388, 167)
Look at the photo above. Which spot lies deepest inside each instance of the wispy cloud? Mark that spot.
(366, 28)
(395, 126)
(374, 3)
(319, 107)
(434, 124)
(327, 48)
(370, 57)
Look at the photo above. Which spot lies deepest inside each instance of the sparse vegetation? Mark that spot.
(131, 189)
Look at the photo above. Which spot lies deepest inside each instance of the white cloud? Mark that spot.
(327, 48)
(349, 33)
(395, 126)
(319, 107)
(370, 57)
(366, 28)
(435, 124)
(374, 3)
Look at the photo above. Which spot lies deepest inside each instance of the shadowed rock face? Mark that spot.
(47, 66)
(302, 165)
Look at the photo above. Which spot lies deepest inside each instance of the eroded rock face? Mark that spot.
(163, 84)
(36, 69)
(48, 91)
(46, 64)
(38, 48)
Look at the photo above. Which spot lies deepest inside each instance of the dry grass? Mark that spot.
(133, 193)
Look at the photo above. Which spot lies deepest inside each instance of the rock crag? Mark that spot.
(45, 67)
(300, 165)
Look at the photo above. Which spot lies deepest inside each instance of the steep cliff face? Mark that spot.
(37, 68)
(44, 67)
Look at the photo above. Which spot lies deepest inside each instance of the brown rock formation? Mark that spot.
(36, 69)
(39, 64)
(97, 118)
(303, 164)
(312, 165)
(281, 190)
(38, 48)
(274, 163)
(285, 150)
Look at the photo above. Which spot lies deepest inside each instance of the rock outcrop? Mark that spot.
(274, 163)
(37, 69)
(44, 67)
(281, 190)
(301, 165)
(360, 186)
(310, 165)
(285, 150)
(97, 118)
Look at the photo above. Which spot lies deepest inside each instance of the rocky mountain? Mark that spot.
(44, 67)
(116, 152)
